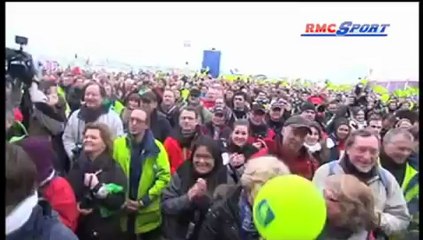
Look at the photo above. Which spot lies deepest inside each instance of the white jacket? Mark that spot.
(74, 129)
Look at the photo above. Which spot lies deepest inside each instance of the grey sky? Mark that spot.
(253, 37)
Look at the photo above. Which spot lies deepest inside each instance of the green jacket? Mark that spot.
(154, 178)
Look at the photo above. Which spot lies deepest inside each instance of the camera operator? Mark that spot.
(48, 119)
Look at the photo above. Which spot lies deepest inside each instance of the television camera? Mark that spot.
(20, 72)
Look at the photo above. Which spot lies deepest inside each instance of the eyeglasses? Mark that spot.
(137, 120)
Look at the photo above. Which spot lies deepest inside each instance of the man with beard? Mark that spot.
(361, 160)
(178, 146)
(93, 110)
(259, 131)
(168, 107)
(240, 109)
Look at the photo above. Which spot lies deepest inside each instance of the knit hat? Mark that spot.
(41, 153)
(307, 106)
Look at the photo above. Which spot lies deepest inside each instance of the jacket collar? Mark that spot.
(150, 146)
(21, 214)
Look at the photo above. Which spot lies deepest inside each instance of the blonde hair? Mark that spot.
(259, 170)
(356, 201)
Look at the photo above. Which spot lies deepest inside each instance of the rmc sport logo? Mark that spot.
(345, 29)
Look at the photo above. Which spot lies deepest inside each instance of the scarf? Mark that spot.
(313, 148)
(248, 230)
(185, 137)
(349, 168)
(91, 115)
(239, 114)
(21, 213)
(248, 150)
(167, 109)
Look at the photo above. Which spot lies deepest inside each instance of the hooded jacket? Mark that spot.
(54, 188)
(32, 219)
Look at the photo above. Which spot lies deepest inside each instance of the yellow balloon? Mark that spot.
(289, 207)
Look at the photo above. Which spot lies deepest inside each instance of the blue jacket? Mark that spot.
(413, 160)
(43, 226)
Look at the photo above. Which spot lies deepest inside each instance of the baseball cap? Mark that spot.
(194, 92)
(298, 121)
(307, 106)
(257, 107)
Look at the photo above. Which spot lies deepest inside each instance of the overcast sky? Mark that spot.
(253, 37)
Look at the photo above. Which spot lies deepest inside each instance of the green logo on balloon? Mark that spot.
(264, 214)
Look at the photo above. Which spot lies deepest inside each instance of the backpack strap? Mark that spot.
(384, 179)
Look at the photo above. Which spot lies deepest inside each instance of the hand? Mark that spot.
(202, 187)
(260, 144)
(84, 211)
(192, 192)
(257, 145)
(91, 179)
(237, 160)
(132, 206)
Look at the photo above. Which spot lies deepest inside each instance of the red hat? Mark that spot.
(316, 100)
(76, 71)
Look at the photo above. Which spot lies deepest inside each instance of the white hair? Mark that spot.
(259, 170)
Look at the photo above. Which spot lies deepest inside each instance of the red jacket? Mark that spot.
(61, 197)
(176, 154)
(208, 104)
(304, 164)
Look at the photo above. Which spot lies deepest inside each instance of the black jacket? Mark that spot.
(183, 217)
(94, 225)
(160, 126)
(223, 221)
(172, 115)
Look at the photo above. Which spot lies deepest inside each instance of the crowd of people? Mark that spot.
(165, 156)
